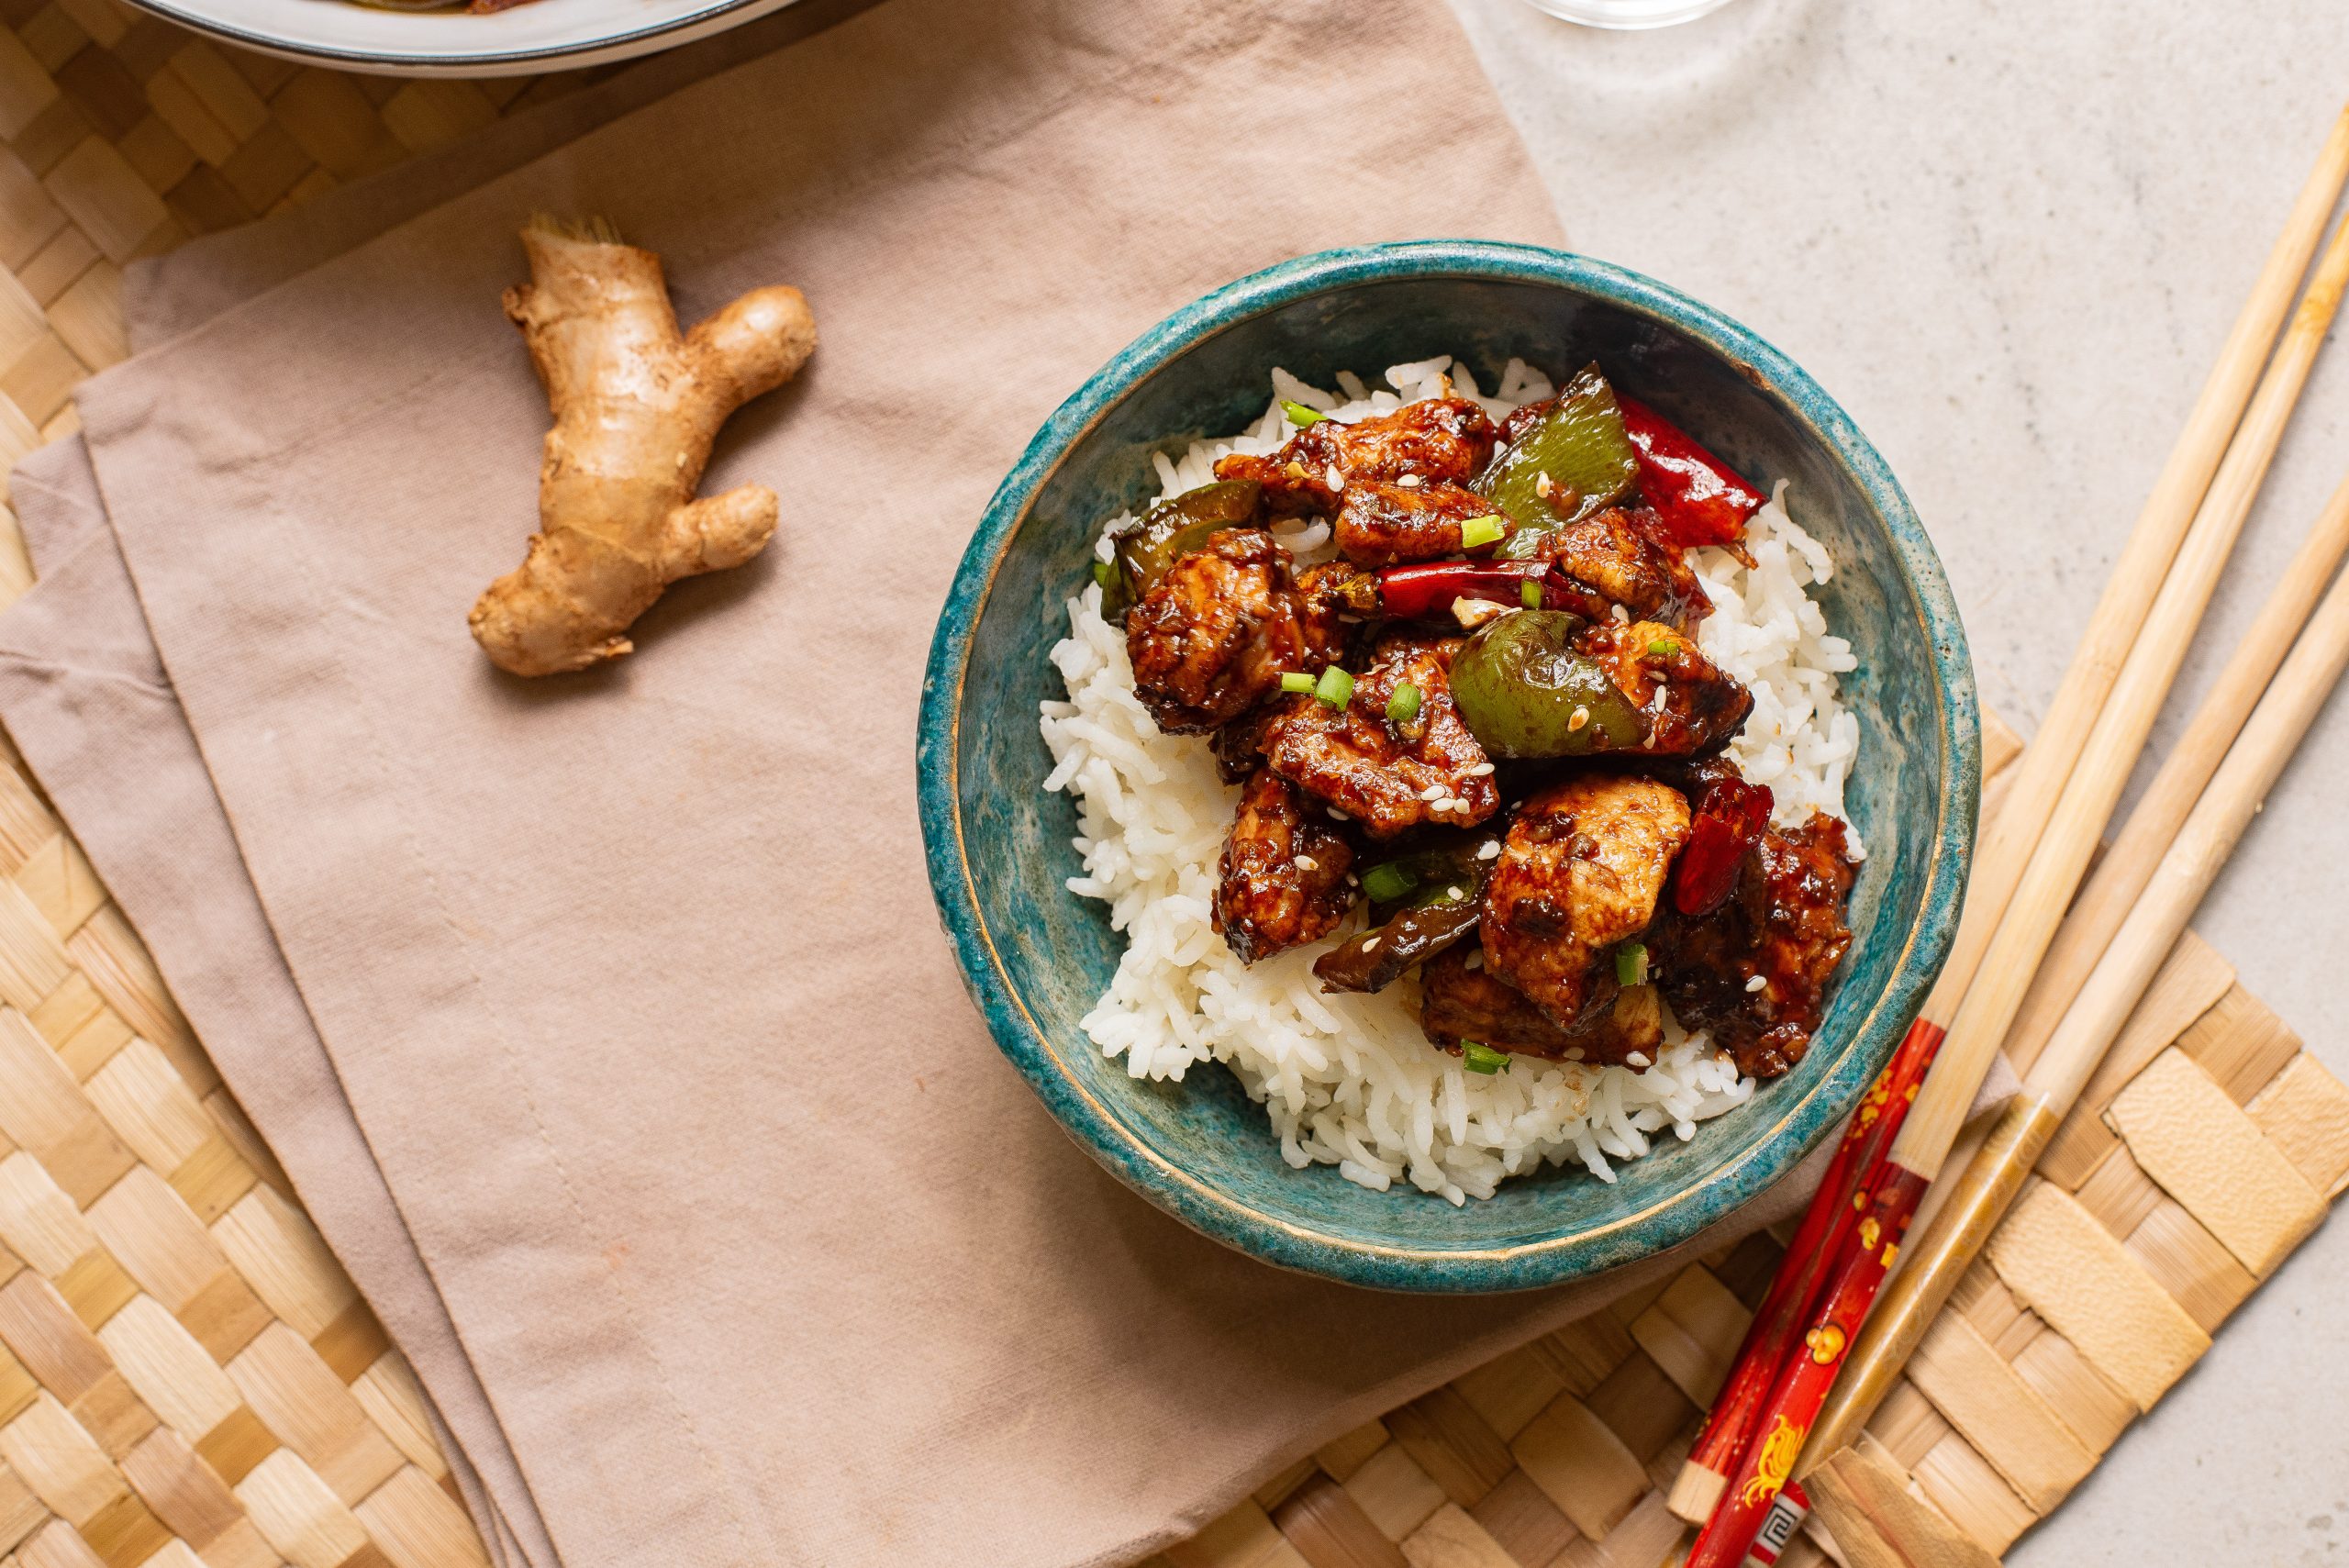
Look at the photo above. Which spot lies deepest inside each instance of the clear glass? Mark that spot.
(1627, 14)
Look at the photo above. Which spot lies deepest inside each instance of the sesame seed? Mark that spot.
(1433, 792)
(1338, 815)
(1409, 482)
(1492, 849)
(1482, 770)
(1581, 716)
(1337, 479)
(1757, 984)
(1370, 944)
(1622, 616)
(1543, 485)
(1474, 961)
(1455, 894)
(1307, 863)
(1636, 1059)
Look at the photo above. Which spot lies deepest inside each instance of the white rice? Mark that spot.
(1347, 1079)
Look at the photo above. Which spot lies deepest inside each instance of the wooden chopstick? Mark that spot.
(1887, 1195)
(2128, 865)
(2137, 577)
(2117, 737)
(2121, 611)
(2168, 881)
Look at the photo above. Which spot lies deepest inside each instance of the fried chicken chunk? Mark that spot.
(1623, 559)
(1282, 880)
(1784, 924)
(1580, 870)
(1461, 999)
(1691, 706)
(1214, 637)
(1380, 522)
(1388, 774)
(1439, 439)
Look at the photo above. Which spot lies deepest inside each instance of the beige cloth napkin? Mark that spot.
(757, 1248)
(106, 737)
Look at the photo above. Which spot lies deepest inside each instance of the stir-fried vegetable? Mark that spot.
(1699, 499)
(1524, 692)
(1378, 957)
(1444, 886)
(1573, 460)
(1481, 1058)
(1478, 532)
(1177, 526)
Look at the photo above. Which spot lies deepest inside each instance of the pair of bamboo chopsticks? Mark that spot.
(2029, 865)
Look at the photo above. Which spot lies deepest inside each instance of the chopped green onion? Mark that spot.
(1335, 687)
(1403, 705)
(1482, 1058)
(1664, 648)
(1488, 529)
(1631, 964)
(1528, 592)
(1298, 415)
(1104, 573)
(1296, 681)
(1386, 883)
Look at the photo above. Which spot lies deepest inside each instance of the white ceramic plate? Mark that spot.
(545, 35)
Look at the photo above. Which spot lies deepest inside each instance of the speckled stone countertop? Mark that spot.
(2010, 236)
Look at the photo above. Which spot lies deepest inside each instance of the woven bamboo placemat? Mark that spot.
(187, 1377)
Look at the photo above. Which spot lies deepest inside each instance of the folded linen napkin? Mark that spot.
(615, 974)
(91, 700)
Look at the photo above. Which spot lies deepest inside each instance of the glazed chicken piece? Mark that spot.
(1335, 595)
(1282, 880)
(1381, 522)
(1440, 440)
(1784, 924)
(1214, 636)
(1580, 870)
(1385, 774)
(1692, 707)
(1620, 558)
(1461, 999)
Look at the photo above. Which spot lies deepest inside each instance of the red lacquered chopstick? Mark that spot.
(1889, 1203)
(1795, 1290)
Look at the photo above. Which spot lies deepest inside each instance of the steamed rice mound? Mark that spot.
(1348, 1079)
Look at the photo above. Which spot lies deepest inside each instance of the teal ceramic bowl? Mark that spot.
(1035, 955)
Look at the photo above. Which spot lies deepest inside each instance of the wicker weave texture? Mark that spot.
(187, 1377)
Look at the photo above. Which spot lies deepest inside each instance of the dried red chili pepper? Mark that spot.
(1700, 497)
(1425, 590)
(1730, 816)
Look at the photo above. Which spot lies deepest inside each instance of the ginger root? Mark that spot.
(636, 407)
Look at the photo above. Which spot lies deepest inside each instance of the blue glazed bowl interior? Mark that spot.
(1037, 956)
